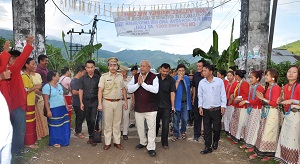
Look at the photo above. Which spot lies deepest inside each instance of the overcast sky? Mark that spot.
(286, 28)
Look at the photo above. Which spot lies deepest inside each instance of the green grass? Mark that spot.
(293, 47)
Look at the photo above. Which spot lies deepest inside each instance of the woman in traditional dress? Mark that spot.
(41, 121)
(222, 74)
(229, 87)
(289, 140)
(65, 80)
(254, 106)
(239, 116)
(268, 132)
(57, 113)
(30, 134)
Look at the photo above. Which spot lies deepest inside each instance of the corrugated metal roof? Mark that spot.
(282, 52)
(277, 59)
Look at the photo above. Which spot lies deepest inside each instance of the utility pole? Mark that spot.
(258, 32)
(94, 29)
(259, 15)
(71, 32)
(274, 9)
(92, 32)
(29, 19)
(244, 31)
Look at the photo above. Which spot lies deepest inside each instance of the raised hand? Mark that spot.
(29, 39)
(6, 46)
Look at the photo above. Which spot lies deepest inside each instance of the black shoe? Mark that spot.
(196, 138)
(152, 152)
(90, 141)
(215, 146)
(206, 151)
(125, 137)
(139, 146)
(131, 125)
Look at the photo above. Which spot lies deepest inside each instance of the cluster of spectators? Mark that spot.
(36, 102)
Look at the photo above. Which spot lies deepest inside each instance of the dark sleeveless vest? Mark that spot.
(145, 101)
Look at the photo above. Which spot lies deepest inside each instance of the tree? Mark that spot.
(183, 61)
(2, 41)
(102, 68)
(56, 60)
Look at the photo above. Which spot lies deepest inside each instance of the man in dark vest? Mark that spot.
(145, 87)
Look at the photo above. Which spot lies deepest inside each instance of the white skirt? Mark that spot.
(252, 127)
(227, 117)
(237, 123)
(289, 140)
(268, 133)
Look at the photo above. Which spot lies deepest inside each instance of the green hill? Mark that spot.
(128, 57)
(293, 47)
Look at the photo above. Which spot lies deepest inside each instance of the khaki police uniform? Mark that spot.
(125, 120)
(112, 105)
(131, 113)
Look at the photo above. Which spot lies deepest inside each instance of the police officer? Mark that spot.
(125, 120)
(134, 70)
(111, 90)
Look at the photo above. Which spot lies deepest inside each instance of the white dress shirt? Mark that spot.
(211, 94)
(151, 88)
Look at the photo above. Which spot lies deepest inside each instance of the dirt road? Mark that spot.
(180, 152)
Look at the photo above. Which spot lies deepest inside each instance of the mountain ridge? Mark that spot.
(293, 47)
(128, 57)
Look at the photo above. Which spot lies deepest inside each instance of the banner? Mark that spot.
(162, 22)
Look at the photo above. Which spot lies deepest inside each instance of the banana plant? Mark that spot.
(231, 54)
(85, 53)
(213, 54)
(228, 56)
(56, 60)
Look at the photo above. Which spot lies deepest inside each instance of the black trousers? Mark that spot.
(191, 117)
(212, 122)
(79, 119)
(164, 115)
(197, 121)
(90, 116)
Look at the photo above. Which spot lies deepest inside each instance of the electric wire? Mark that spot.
(71, 18)
(289, 3)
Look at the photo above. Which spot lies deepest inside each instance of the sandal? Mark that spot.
(233, 142)
(31, 146)
(243, 146)
(56, 145)
(183, 135)
(265, 159)
(79, 135)
(174, 139)
(252, 156)
(249, 150)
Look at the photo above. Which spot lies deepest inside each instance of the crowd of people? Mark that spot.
(36, 102)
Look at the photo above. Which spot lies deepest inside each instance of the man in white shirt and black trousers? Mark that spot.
(212, 104)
